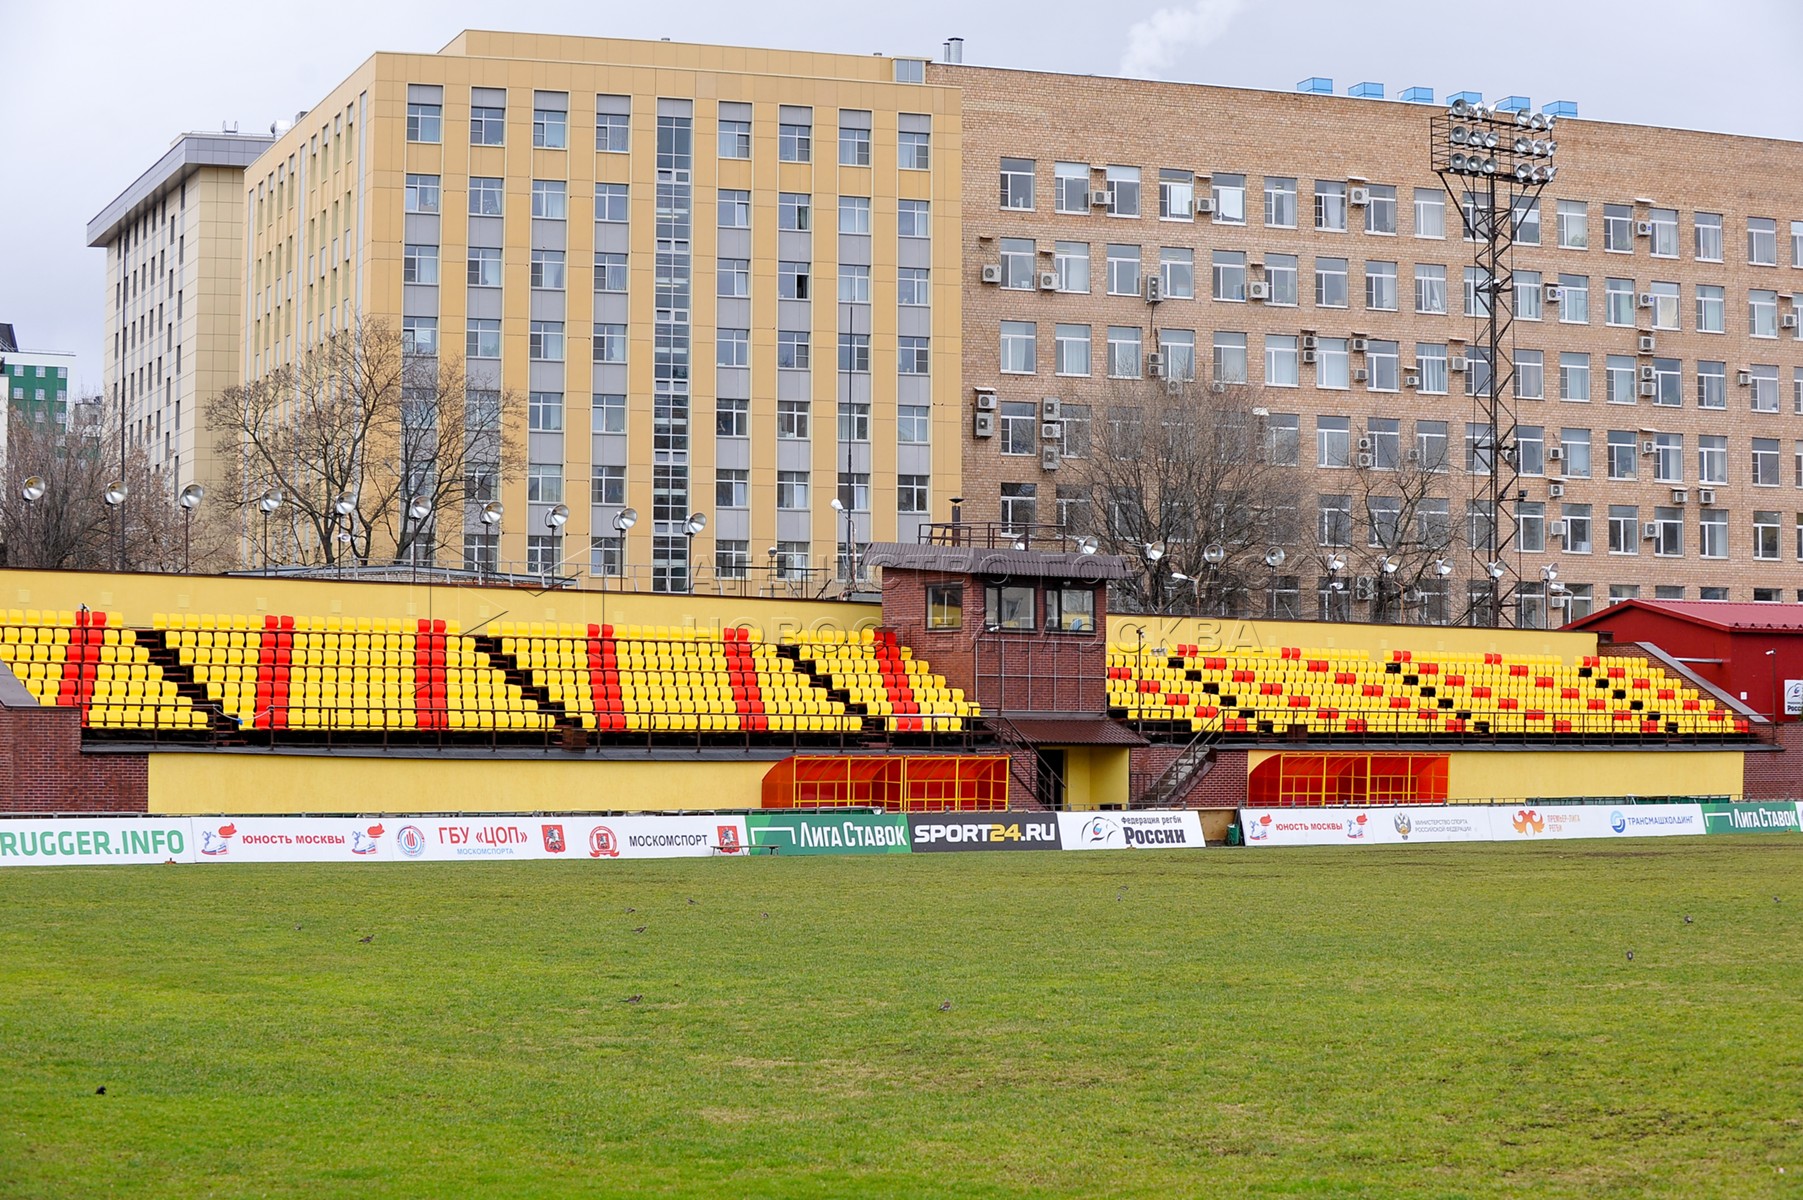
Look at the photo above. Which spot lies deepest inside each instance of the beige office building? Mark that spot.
(722, 282)
(174, 243)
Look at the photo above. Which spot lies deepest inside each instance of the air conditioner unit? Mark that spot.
(1647, 373)
(1411, 456)
(1411, 379)
(1366, 461)
(1051, 431)
(1098, 199)
(1048, 281)
(1308, 356)
(1649, 390)
(1705, 495)
(1218, 387)
(1310, 341)
(1051, 458)
(1361, 345)
(1553, 293)
(1787, 321)
(1173, 386)
(984, 425)
(1646, 300)
(1650, 530)
(1154, 289)
(1680, 495)
(1643, 229)
(1258, 290)
(1205, 206)
(1558, 529)
(1364, 587)
(1358, 197)
(1051, 409)
(1555, 490)
(1646, 446)
(1155, 366)
(1555, 453)
(1559, 599)
(1364, 443)
(1646, 343)
(992, 272)
(1360, 375)
(1743, 378)
(1457, 363)
(985, 399)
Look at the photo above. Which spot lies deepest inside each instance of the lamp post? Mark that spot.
(267, 503)
(1154, 551)
(624, 520)
(115, 495)
(342, 508)
(1771, 658)
(189, 499)
(844, 555)
(492, 512)
(33, 489)
(1274, 558)
(555, 518)
(1214, 554)
(1386, 567)
(1180, 577)
(694, 525)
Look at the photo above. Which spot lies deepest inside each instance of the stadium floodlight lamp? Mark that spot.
(1214, 555)
(1549, 572)
(1457, 163)
(1497, 570)
(1442, 568)
(626, 518)
(1387, 565)
(33, 489)
(1461, 108)
(492, 512)
(115, 493)
(419, 508)
(1275, 556)
(1335, 564)
(345, 504)
(695, 524)
(1523, 172)
(1088, 545)
(1336, 585)
(836, 504)
(1489, 166)
(1180, 577)
(556, 515)
(191, 496)
(1459, 135)
(1154, 551)
(269, 501)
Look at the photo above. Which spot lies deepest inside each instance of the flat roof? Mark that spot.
(189, 153)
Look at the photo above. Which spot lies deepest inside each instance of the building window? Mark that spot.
(1380, 210)
(1017, 184)
(792, 490)
(486, 197)
(422, 193)
(1333, 364)
(913, 149)
(550, 128)
(732, 488)
(1380, 286)
(1762, 241)
(1668, 531)
(1280, 202)
(854, 138)
(792, 420)
(913, 424)
(1229, 194)
(912, 356)
(1333, 442)
(732, 558)
(854, 214)
(735, 131)
(610, 343)
(794, 210)
(793, 351)
(1333, 526)
(1019, 505)
(1177, 268)
(1281, 272)
(1668, 458)
(1577, 529)
(1281, 368)
(1762, 313)
(1712, 533)
(1431, 361)
(732, 347)
(612, 118)
(484, 266)
(544, 412)
(1712, 309)
(1072, 349)
(1530, 374)
(425, 122)
(1019, 347)
(911, 493)
(1018, 264)
(1709, 237)
(1624, 529)
(1123, 270)
(1530, 526)
(1618, 228)
(419, 264)
(1330, 283)
(1528, 295)
(1668, 383)
(1763, 382)
(550, 199)
(1009, 606)
(1229, 275)
(1019, 427)
(912, 288)
(794, 280)
(854, 284)
(544, 341)
(483, 339)
(1765, 462)
(610, 203)
(488, 125)
(544, 483)
(1070, 187)
(547, 269)
(419, 336)
(1765, 534)
(1123, 352)
(1176, 195)
(795, 142)
(1574, 376)
(1283, 439)
(1430, 288)
(732, 417)
(1330, 205)
(1430, 213)
(734, 209)
(1572, 218)
(1123, 191)
(854, 354)
(914, 218)
(1712, 384)
(945, 606)
(854, 421)
(607, 412)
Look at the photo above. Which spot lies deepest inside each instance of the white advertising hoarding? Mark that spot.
(95, 841)
(1152, 829)
(1464, 823)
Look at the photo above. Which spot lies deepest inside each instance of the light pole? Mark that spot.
(268, 502)
(624, 520)
(1180, 577)
(1771, 658)
(694, 525)
(1214, 554)
(342, 508)
(115, 495)
(492, 512)
(33, 489)
(555, 518)
(845, 551)
(1274, 558)
(189, 499)
(1153, 552)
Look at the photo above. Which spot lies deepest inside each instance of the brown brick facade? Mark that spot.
(1777, 776)
(1099, 121)
(43, 768)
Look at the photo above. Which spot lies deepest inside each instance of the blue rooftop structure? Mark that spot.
(1514, 104)
(1560, 108)
(1417, 95)
(1316, 85)
(1467, 97)
(1366, 91)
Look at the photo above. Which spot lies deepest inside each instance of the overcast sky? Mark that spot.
(93, 93)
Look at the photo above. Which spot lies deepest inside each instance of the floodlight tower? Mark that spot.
(1494, 164)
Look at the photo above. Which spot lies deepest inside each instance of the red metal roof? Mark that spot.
(1716, 614)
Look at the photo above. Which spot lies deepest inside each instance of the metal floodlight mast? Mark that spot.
(1494, 166)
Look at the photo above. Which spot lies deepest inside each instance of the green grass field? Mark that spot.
(1399, 1021)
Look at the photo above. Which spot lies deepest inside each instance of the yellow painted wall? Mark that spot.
(1096, 777)
(1229, 635)
(137, 598)
(1519, 775)
(292, 783)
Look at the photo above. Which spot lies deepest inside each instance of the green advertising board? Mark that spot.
(1774, 817)
(828, 833)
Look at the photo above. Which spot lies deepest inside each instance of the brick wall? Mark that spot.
(1223, 785)
(1779, 776)
(43, 769)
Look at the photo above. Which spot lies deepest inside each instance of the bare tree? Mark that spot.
(1180, 477)
(1405, 541)
(69, 525)
(366, 422)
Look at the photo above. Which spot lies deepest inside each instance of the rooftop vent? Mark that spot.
(954, 50)
(1417, 95)
(1366, 91)
(1316, 85)
(1560, 108)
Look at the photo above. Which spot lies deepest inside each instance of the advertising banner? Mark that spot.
(932, 832)
(649, 837)
(1151, 829)
(1539, 822)
(292, 839)
(828, 833)
(1751, 818)
(1465, 823)
(95, 841)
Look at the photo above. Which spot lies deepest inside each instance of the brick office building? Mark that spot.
(1077, 189)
